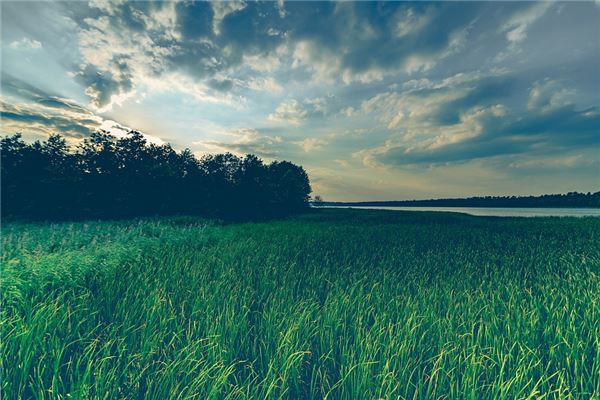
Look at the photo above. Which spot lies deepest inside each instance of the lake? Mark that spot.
(496, 212)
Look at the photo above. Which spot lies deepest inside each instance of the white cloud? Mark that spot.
(266, 63)
(549, 95)
(115, 99)
(311, 144)
(289, 111)
(281, 9)
(63, 116)
(223, 8)
(295, 113)
(358, 34)
(424, 139)
(393, 108)
(26, 44)
(349, 111)
(121, 131)
(342, 163)
(318, 104)
(267, 84)
(308, 55)
(470, 125)
(414, 106)
(408, 21)
(242, 141)
(516, 27)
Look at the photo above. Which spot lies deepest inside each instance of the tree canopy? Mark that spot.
(109, 177)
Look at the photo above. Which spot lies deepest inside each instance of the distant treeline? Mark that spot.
(571, 199)
(109, 177)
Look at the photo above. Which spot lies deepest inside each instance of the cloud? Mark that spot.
(18, 89)
(348, 111)
(460, 118)
(223, 8)
(26, 108)
(311, 144)
(25, 44)
(405, 85)
(107, 87)
(37, 119)
(196, 47)
(127, 45)
(195, 19)
(29, 109)
(554, 162)
(421, 104)
(365, 42)
(256, 29)
(265, 84)
(244, 141)
(112, 64)
(265, 63)
(291, 111)
(483, 135)
(549, 95)
(516, 27)
(221, 85)
(120, 131)
(342, 163)
(435, 143)
(44, 119)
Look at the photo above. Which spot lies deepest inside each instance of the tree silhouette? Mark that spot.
(108, 177)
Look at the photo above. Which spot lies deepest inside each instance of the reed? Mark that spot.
(335, 304)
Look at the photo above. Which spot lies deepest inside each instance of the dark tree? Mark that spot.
(106, 177)
(288, 185)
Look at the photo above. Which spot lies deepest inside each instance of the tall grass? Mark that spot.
(337, 304)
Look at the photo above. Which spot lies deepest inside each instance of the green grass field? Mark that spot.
(335, 304)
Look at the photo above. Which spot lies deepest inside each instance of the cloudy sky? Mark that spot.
(376, 100)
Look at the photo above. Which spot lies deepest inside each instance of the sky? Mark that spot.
(377, 101)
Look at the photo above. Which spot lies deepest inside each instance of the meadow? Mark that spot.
(333, 304)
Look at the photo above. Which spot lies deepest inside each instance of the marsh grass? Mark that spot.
(336, 304)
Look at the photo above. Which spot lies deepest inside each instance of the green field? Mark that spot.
(336, 304)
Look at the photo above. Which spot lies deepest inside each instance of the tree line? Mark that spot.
(109, 177)
(571, 199)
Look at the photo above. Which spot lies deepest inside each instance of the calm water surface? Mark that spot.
(498, 212)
